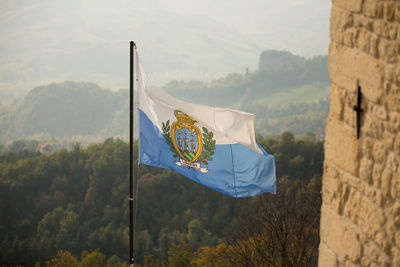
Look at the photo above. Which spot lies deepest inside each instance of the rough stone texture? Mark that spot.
(360, 215)
(342, 142)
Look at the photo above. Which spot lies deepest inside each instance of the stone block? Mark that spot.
(354, 6)
(331, 188)
(392, 162)
(373, 8)
(360, 21)
(347, 67)
(397, 12)
(339, 236)
(352, 206)
(373, 256)
(387, 88)
(350, 181)
(372, 127)
(395, 256)
(397, 142)
(349, 116)
(373, 46)
(388, 51)
(340, 21)
(373, 90)
(381, 28)
(349, 263)
(386, 180)
(367, 144)
(335, 31)
(353, 247)
(393, 30)
(367, 215)
(380, 112)
(390, 229)
(366, 166)
(344, 196)
(373, 194)
(377, 174)
(373, 253)
(395, 214)
(341, 146)
(389, 127)
(395, 189)
(326, 257)
(349, 37)
(389, 11)
(397, 238)
(337, 98)
(379, 152)
(391, 73)
(394, 119)
(393, 101)
(337, 61)
(367, 42)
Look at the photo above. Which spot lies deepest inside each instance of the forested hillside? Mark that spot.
(73, 204)
(288, 92)
(63, 110)
(279, 71)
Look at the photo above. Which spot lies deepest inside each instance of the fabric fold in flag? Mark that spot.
(212, 146)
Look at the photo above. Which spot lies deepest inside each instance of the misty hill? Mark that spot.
(288, 92)
(177, 39)
(279, 72)
(64, 110)
(272, 59)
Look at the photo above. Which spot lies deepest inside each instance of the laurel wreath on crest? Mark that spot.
(208, 143)
(167, 136)
(208, 147)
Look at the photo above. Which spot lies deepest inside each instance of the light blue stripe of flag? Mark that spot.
(235, 169)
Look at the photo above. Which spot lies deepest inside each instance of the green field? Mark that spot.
(303, 94)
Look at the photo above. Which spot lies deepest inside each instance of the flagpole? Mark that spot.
(131, 182)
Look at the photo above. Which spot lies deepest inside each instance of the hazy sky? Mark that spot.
(88, 40)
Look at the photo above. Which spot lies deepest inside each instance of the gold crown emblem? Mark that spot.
(183, 118)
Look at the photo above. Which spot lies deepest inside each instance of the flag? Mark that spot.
(212, 146)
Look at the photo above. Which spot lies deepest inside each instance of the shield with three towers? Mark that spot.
(186, 137)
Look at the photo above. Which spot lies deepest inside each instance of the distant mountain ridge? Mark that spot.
(178, 39)
(287, 92)
(63, 110)
(284, 82)
(272, 59)
(279, 71)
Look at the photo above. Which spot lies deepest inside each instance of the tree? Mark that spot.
(115, 261)
(180, 255)
(20, 145)
(149, 261)
(283, 230)
(93, 259)
(58, 229)
(211, 256)
(64, 258)
(197, 235)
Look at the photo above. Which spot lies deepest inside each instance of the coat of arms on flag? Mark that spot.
(191, 147)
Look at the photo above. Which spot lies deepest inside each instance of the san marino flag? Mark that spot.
(213, 146)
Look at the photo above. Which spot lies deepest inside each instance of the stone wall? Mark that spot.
(360, 215)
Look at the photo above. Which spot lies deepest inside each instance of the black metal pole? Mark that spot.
(358, 109)
(131, 183)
